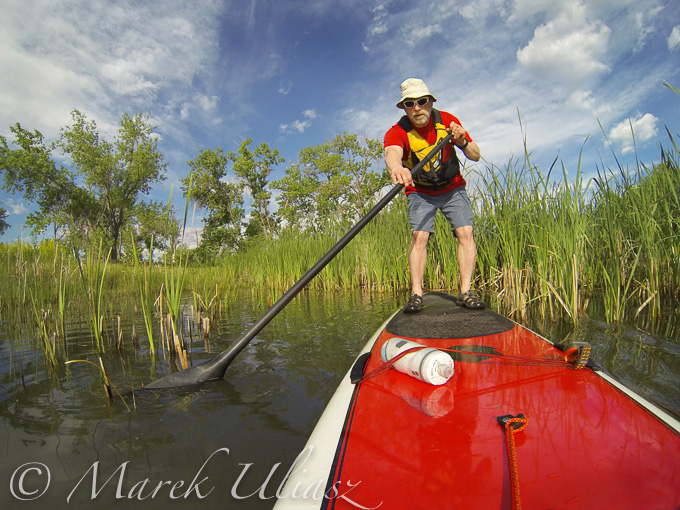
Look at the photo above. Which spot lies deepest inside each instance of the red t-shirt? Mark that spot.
(397, 136)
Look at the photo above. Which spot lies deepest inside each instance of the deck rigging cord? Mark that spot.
(575, 356)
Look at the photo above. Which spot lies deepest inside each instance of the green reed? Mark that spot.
(374, 260)
(48, 341)
(143, 277)
(542, 240)
(62, 297)
(93, 283)
(175, 278)
(27, 304)
(639, 215)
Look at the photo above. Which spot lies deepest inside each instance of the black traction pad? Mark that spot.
(441, 317)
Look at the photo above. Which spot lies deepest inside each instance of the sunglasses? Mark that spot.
(411, 103)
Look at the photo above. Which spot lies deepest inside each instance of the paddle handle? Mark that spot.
(228, 355)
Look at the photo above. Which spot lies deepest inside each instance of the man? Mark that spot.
(440, 186)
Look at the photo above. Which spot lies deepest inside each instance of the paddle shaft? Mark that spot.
(239, 344)
(215, 368)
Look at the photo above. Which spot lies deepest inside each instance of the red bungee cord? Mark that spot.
(512, 425)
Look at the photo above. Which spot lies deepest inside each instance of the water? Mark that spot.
(243, 428)
(230, 443)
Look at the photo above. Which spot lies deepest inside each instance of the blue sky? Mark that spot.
(295, 73)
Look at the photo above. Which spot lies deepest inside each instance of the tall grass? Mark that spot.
(93, 283)
(546, 242)
(143, 277)
(173, 292)
(62, 296)
(533, 237)
(639, 226)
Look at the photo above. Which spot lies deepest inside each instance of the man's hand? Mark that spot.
(458, 134)
(402, 176)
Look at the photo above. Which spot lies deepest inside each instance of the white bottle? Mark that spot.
(427, 364)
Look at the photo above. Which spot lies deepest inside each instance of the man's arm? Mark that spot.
(395, 166)
(472, 151)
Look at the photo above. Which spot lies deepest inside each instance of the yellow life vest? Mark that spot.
(436, 174)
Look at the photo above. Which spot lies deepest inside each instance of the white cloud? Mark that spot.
(299, 126)
(568, 48)
(643, 28)
(525, 9)
(674, 38)
(584, 99)
(17, 207)
(477, 11)
(377, 30)
(193, 234)
(207, 103)
(103, 58)
(285, 88)
(379, 24)
(420, 33)
(199, 103)
(631, 131)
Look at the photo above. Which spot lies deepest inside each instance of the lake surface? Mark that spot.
(230, 443)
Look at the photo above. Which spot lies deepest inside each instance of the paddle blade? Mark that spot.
(208, 371)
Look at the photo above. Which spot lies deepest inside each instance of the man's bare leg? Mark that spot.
(467, 254)
(417, 260)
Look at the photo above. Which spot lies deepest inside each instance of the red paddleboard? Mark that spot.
(515, 426)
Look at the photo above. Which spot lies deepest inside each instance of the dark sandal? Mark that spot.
(414, 304)
(470, 300)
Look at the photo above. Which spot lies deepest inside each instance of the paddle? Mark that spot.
(215, 368)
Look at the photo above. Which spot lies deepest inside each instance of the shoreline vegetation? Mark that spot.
(550, 243)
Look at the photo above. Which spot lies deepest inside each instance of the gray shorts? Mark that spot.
(454, 205)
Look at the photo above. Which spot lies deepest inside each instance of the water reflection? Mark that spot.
(262, 412)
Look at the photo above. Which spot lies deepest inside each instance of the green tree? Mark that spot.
(3, 224)
(155, 227)
(254, 168)
(325, 164)
(223, 201)
(98, 197)
(360, 158)
(333, 182)
(296, 201)
(29, 169)
(117, 173)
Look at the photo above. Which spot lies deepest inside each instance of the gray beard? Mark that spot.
(422, 121)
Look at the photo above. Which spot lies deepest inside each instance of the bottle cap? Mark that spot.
(445, 370)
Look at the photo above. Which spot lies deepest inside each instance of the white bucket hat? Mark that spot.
(413, 88)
